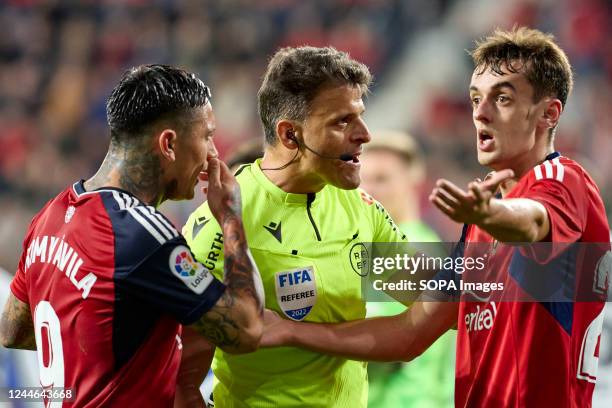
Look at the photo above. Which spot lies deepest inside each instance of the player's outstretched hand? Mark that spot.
(471, 206)
(276, 330)
(223, 190)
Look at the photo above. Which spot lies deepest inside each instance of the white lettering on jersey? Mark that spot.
(481, 319)
(56, 252)
(589, 355)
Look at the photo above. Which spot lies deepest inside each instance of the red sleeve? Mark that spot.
(18, 285)
(566, 207)
(566, 203)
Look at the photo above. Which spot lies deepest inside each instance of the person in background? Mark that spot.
(393, 172)
(245, 153)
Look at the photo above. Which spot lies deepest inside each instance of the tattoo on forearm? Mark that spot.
(218, 326)
(222, 324)
(239, 266)
(16, 326)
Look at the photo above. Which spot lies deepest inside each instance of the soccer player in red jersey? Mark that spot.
(105, 280)
(510, 353)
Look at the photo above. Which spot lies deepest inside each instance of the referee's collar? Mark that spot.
(277, 192)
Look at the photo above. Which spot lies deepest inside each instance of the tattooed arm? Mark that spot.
(235, 322)
(16, 327)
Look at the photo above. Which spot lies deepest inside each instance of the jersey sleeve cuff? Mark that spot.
(19, 294)
(213, 293)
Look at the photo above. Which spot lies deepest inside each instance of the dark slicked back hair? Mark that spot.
(532, 52)
(296, 75)
(149, 93)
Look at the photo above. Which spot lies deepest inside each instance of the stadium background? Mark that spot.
(60, 59)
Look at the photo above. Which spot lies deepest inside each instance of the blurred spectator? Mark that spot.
(59, 60)
(393, 171)
(246, 153)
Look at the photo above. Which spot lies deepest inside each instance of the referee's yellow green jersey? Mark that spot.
(304, 247)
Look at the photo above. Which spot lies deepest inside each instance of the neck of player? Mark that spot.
(135, 171)
(296, 178)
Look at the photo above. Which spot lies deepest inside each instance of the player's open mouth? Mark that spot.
(485, 141)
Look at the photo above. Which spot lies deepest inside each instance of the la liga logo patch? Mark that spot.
(184, 264)
(193, 274)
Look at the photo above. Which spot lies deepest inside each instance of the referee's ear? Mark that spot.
(286, 133)
(166, 141)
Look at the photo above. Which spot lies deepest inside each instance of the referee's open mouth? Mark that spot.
(354, 161)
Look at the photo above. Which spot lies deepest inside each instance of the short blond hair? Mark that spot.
(530, 51)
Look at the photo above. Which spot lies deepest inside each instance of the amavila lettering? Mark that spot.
(55, 251)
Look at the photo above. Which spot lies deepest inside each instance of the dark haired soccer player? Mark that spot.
(509, 354)
(105, 280)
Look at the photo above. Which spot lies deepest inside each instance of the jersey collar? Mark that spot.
(553, 155)
(79, 190)
(275, 191)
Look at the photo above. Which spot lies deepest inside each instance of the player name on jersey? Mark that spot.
(55, 251)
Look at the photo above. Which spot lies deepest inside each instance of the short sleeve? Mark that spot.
(565, 201)
(172, 280)
(19, 286)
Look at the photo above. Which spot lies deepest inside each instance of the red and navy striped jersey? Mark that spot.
(538, 353)
(109, 281)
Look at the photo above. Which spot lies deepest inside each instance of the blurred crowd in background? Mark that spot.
(60, 59)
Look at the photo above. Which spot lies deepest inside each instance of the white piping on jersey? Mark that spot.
(538, 172)
(548, 168)
(560, 170)
(102, 190)
(165, 222)
(146, 216)
(155, 221)
(147, 226)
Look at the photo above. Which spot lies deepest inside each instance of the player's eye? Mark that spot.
(503, 99)
(475, 100)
